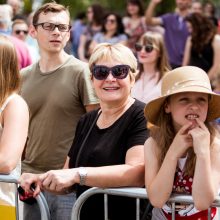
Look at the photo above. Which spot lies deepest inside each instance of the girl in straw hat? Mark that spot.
(182, 155)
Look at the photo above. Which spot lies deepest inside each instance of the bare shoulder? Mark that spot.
(151, 147)
(216, 40)
(17, 103)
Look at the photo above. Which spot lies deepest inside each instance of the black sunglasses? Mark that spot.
(19, 31)
(148, 48)
(119, 71)
(112, 21)
(50, 26)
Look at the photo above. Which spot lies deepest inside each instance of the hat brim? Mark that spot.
(153, 108)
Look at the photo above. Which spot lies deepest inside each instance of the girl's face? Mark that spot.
(187, 106)
(146, 55)
(111, 23)
(112, 90)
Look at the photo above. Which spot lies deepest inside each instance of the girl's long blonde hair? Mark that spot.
(9, 70)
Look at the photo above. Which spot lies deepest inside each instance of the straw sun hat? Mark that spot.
(184, 79)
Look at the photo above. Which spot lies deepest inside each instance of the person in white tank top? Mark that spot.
(14, 119)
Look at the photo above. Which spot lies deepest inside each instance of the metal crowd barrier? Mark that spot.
(41, 201)
(138, 193)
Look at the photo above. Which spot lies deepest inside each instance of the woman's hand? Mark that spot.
(27, 179)
(59, 180)
(182, 141)
(201, 138)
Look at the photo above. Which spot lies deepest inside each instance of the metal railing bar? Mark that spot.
(106, 206)
(131, 192)
(173, 210)
(137, 209)
(42, 203)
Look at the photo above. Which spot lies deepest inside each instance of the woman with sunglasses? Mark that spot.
(112, 31)
(153, 64)
(107, 150)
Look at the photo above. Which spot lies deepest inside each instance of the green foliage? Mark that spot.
(119, 6)
(112, 5)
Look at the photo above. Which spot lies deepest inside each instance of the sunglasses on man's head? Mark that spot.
(119, 71)
(19, 31)
(148, 48)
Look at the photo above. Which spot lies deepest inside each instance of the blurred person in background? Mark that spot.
(20, 30)
(134, 22)
(176, 31)
(112, 31)
(77, 29)
(95, 15)
(196, 6)
(153, 64)
(16, 6)
(23, 54)
(203, 46)
(209, 11)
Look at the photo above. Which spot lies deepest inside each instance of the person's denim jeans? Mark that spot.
(60, 207)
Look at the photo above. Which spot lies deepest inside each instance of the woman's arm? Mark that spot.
(129, 174)
(15, 119)
(215, 69)
(186, 56)
(81, 49)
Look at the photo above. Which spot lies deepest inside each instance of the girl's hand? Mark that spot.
(201, 138)
(59, 180)
(182, 141)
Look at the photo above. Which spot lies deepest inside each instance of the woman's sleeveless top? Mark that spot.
(7, 190)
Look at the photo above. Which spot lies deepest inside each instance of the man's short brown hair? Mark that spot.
(50, 7)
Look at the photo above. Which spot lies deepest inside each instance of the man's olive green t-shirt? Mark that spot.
(56, 101)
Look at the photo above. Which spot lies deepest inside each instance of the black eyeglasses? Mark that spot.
(148, 48)
(119, 71)
(19, 31)
(50, 26)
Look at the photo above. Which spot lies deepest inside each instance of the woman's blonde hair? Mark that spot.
(9, 70)
(156, 39)
(117, 52)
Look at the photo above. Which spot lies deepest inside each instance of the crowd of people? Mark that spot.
(110, 100)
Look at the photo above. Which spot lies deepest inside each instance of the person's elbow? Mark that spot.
(148, 20)
(136, 175)
(203, 204)
(156, 201)
(7, 167)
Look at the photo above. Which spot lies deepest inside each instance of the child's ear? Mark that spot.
(166, 107)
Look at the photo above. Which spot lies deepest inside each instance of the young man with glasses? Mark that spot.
(58, 91)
